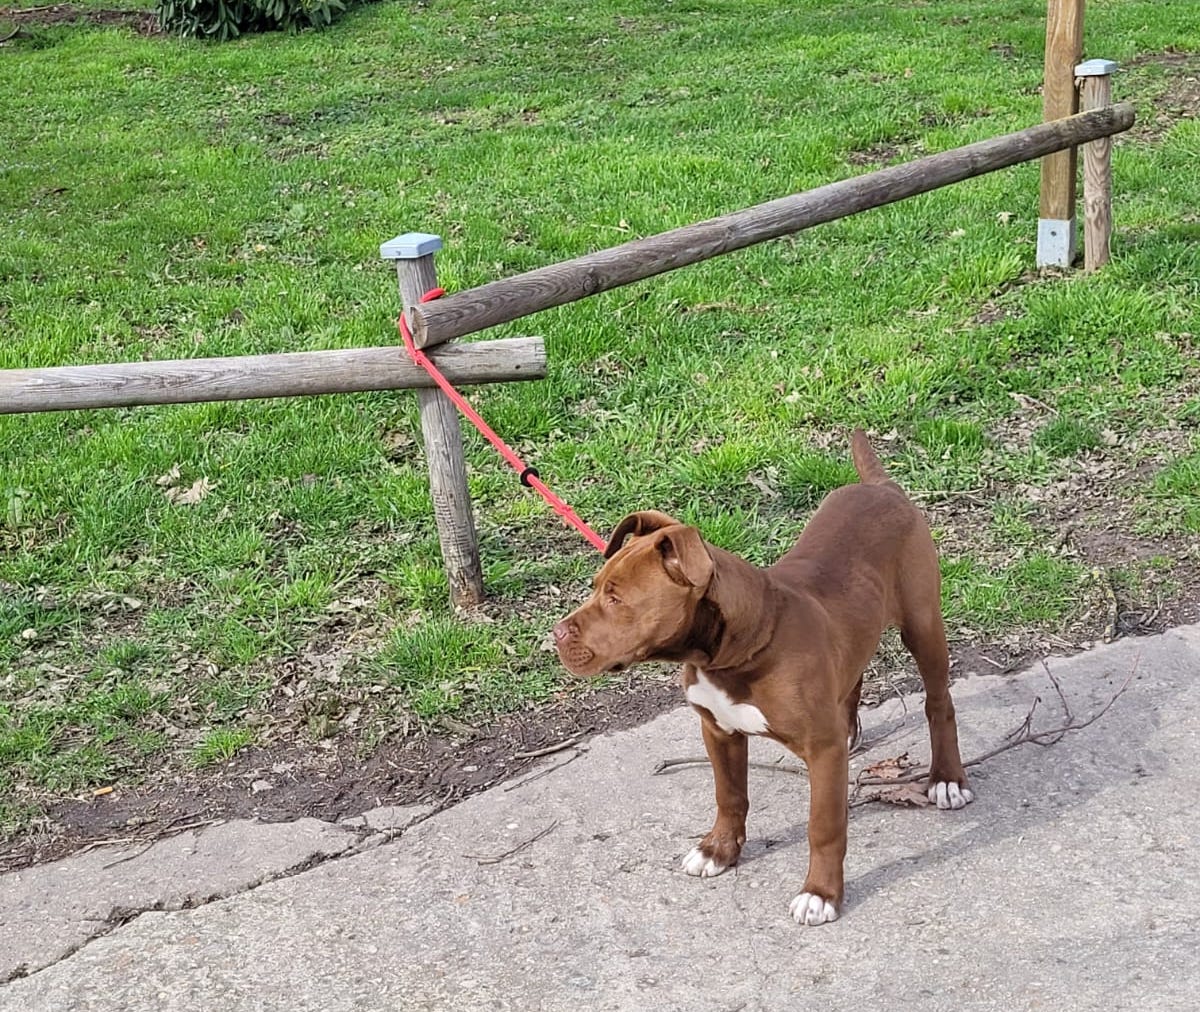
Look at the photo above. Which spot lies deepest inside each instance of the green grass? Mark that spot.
(1039, 589)
(1177, 488)
(1066, 437)
(162, 198)
(220, 745)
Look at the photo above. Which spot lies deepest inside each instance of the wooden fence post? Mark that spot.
(1056, 220)
(413, 253)
(1095, 92)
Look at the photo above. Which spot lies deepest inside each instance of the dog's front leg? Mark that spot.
(828, 773)
(721, 847)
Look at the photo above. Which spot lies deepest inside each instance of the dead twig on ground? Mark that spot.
(1024, 726)
(118, 842)
(519, 847)
(667, 764)
(168, 831)
(549, 749)
(1047, 737)
(1068, 716)
(1104, 578)
(129, 857)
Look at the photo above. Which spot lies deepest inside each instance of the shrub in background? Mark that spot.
(226, 19)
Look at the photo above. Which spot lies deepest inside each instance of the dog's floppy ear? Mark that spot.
(685, 558)
(636, 524)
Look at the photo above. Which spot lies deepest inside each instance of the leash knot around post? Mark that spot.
(528, 475)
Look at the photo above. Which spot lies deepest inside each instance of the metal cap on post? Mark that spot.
(1096, 68)
(413, 255)
(410, 246)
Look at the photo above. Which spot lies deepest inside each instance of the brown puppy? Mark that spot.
(780, 651)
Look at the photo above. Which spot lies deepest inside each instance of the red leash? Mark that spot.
(528, 475)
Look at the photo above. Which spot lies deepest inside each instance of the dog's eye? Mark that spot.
(610, 594)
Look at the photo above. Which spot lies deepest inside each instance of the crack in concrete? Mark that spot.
(367, 838)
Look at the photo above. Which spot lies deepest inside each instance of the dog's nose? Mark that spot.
(562, 630)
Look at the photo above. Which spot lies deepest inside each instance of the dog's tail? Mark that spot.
(866, 463)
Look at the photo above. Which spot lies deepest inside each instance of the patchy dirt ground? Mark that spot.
(17, 22)
(333, 782)
(143, 22)
(1167, 89)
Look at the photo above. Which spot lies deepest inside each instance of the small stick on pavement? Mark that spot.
(687, 760)
(1062, 698)
(1058, 688)
(1026, 724)
(519, 847)
(167, 832)
(117, 842)
(549, 749)
(129, 857)
(700, 760)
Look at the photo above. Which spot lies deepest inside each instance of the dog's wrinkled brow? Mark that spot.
(601, 576)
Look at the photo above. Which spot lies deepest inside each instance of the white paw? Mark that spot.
(698, 863)
(809, 908)
(947, 794)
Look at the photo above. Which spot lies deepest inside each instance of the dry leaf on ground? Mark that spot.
(889, 769)
(904, 794)
(190, 497)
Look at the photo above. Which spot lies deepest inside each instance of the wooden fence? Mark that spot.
(508, 299)
(434, 323)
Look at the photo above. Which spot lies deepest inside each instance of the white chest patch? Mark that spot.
(730, 716)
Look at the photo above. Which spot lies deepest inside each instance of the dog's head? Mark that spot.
(644, 597)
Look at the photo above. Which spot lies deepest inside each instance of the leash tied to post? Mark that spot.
(528, 475)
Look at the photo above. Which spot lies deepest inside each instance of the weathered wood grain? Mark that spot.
(1064, 44)
(1096, 93)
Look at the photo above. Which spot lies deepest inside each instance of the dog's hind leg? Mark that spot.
(720, 849)
(924, 634)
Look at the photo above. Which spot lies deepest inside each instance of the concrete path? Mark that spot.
(1073, 882)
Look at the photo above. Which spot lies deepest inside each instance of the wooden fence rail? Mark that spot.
(512, 298)
(294, 374)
